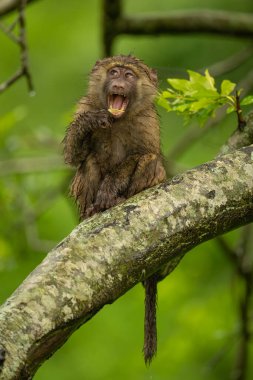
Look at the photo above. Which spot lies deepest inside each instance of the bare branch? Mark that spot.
(21, 41)
(23, 45)
(207, 21)
(240, 137)
(11, 80)
(241, 259)
(234, 24)
(9, 33)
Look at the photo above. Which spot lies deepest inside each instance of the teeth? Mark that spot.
(115, 111)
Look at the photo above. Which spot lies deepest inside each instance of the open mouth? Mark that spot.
(117, 104)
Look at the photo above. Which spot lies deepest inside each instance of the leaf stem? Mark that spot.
(241, 121)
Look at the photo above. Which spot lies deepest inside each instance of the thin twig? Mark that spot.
(9, 33)
(11, 80)
(229, 252)
(21, 41)
(23, 45)
(13, 25)
(240, 119)
(243, 266)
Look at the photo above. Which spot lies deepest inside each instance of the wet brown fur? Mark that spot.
(115, 158)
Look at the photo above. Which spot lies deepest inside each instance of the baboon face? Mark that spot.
(119, 89)
(123, 85)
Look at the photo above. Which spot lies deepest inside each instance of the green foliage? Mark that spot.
(196, 328)
(9, 120)
(198, 97)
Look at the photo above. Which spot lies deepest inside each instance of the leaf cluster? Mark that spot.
(198, 96)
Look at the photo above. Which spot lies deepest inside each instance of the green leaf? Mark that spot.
(164, 103)
(202, 103)
(169, 94)
(195, 77)
(198, 97)
(227, 87)
(179, 84)
(247, 100)
(204, 81)
(230, 109)
(210, 80)
(181, 107)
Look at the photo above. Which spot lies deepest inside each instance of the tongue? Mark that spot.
(117, 102)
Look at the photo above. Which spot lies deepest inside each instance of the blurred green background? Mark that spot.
(197, 313)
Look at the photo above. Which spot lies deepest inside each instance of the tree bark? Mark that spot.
(111, 252)
(235, 24)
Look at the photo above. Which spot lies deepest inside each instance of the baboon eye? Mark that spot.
(114, 72)
(129, 74)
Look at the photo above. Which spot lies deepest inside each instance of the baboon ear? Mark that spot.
(97, 63)
(96, 66)
(153, 76)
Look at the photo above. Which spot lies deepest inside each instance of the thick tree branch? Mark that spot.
(109, 253)
(191, 21)
(218, 22)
